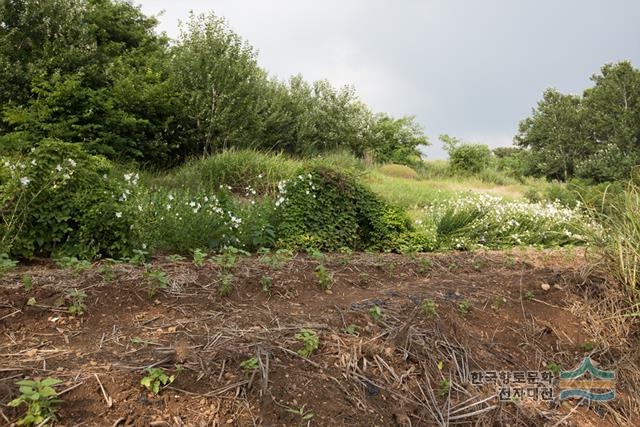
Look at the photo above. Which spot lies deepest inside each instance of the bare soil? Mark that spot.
(526, 311)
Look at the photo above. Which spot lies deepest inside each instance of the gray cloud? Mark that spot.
(470, 68)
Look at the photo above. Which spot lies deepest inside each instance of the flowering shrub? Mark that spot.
(484, 220)
(61, 200)
(325, 209)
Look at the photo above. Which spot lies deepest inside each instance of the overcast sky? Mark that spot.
(468, 68)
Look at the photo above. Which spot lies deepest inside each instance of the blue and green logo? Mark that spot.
(588, 382)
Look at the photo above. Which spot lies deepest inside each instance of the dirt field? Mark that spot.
(493, 311)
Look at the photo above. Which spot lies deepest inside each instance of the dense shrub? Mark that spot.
(470, 158)
(60, 199)
(326, 209)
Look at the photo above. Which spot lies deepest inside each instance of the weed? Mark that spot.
(429, 308)
(426, 265)
(27, 283)
(304, 414)
(31, 302)
(266, 282)
(249, 364)
(363, 278)
(6, 263)
(510, 262)
(444, 388)
(454, 266)
(498, 302)
(76, 300)
(226, 285)
(479, 264)
(156, 379)
(324, 277)
(281, 256)
(157, 280)
(587, 346)
(72, 262)
(464, 307)
(316, 255)
(140, 257)
(529, 295)
(198, 257)
(554, 368)
(40, 398)
(375, 312)
(351, 329)
(310, 341)
(176, 258)
(107, 273)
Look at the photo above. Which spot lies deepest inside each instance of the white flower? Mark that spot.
(59, 167)
(118, 214)
(33, 162)
(24, 181)
(168, 206)
(170, 197)
(72, 163)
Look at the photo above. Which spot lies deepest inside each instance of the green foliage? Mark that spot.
(175, 258)
(266, 283)
(429, 308)
(444, 388)
(6, 263)
(199, 257)
(324, 277)
(464, 307)
(350, 329)
(325, 209)
(40, 398)
(27, 283)
(465, 157)
(554, 368)
(72, 262)
(375, 312)
(250, 364)
(396, 140)
(158, 280)
(156, 379)
(61, 200)
(76, 299)
(593, 136)
(529, 295)
(310, 342)
(226, 285)
(305, 416)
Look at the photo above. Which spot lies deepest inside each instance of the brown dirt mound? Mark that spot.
(407, 367)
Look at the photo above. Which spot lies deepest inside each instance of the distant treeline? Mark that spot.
(595, 136)
(97, 73)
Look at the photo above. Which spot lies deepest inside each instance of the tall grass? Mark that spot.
(618, 240)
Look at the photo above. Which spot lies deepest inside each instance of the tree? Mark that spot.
(396, 140)
(465, 157)
(554, 134)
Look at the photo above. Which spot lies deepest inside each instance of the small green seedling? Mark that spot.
(304, 415)
(478, 264)
(375, 312)
(72, 262)
(175, 258)
(27, 283)
(444, 388)
(31, 302)
(156, 379)
(76, 299)
(498, 302)
(351, 329)
(587, 346)
(429, 308)
(324, 277)
(310, 341)
(40, 398)
(554, 368)
(316, 254)
(198, 257)
(529, 295)
(226, 285)
(426, 265)
(250, 364)
(157, 280)
(266, 282)
(464, 307)
(140, 257)
(454, 266)
(6, 263)
(107, 273)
